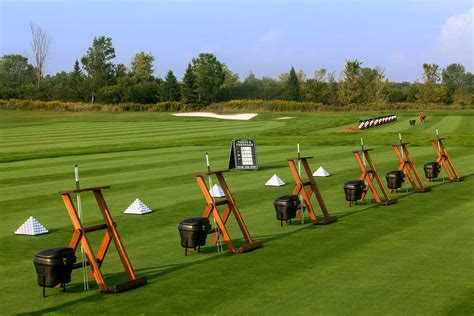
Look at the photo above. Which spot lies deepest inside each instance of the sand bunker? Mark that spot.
(284, 118)
(243, 117)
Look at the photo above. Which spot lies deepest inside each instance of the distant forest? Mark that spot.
(95, 78)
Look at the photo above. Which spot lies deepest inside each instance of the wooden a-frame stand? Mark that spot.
(79, 236)
(306, 194)
(407, 166)
(444, 159)
(368, 175)
(230, 206)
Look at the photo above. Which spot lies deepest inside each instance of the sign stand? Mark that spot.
(444, 159)
(406, 164)
(243, 155)
(306, 194)
(230, 206)
(368, 175)
(111, 234)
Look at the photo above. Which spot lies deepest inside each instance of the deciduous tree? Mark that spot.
(98, 64)
(453, 77)
(15, 71)
(40, 41)
(142, 67)
(430, 91)
(210, 76)
(349, 91)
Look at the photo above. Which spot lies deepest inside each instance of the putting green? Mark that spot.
(413, 257)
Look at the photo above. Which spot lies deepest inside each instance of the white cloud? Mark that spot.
(457, 37)
(397, 56)
(271, 36)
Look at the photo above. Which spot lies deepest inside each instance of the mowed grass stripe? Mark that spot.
(91, 128)
(70, 142)
(25, 167)
(66, 127)
(375, 259)
(157, 166)
(123, 172)
(70, 126)
(91, 133)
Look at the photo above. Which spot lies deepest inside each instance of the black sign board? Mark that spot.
(243, 155)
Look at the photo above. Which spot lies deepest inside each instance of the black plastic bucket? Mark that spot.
(395, 179)
(54, 266)
(353, 190)
(286, 207)
(193, 231)
(432, 170)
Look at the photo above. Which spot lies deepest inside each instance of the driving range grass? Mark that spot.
(413, 257)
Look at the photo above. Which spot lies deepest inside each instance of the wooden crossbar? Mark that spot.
(408, 167)
(221, 220)
(79, 236)
(368, 175)
(445, 160)
(306, 194)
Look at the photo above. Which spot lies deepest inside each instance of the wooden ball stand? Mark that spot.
(95, 262)
(369, 175)
(306, 194)
(444, 159)
(221, 220)
(407, 166)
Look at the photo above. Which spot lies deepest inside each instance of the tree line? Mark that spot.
(96, 78)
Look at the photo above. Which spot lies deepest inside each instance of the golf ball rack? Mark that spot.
(444, 159)
(369, 175)
(408, 167)
(306, 194)
(211, 208)
(79, 235)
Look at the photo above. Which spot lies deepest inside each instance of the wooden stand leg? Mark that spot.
(407, 165)
(231, 207)
(370, 174)
(445, 160)
(306, 194)
(111, 234)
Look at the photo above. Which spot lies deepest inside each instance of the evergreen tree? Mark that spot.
(189, 92)
(170, 88)
(292, 87)
(76, 83)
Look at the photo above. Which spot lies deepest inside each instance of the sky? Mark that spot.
(264, 37)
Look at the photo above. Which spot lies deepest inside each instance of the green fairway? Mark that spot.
(413, 257)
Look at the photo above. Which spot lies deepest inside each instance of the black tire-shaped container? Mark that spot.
(286, 207)
(193, 231)
(395, 179)
(353, 190)
(54, 266)
(432, 170)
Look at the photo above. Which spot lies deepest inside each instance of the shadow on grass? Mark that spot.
(154, 272)
(94, 297)
(400, 195)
